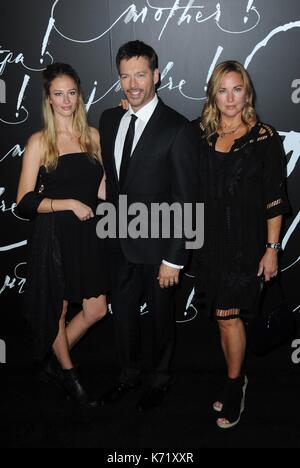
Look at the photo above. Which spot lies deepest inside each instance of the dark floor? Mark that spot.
(33, 415)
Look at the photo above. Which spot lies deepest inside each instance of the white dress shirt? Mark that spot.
(143, 116)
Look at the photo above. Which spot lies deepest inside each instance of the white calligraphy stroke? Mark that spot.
(6, 248)
(19, 101)
(189, 307)
(20, 58)
(15, 151)
(286, 239)
(260, 45)
(10, 209)
(264, 42)
(291, 143)
(170, 85)
(16, 281)
(131, 14)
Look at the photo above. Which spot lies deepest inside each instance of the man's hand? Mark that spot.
(168, 276)
(124, 104)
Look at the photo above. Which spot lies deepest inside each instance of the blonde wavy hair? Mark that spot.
(210, 118)
(80, 124)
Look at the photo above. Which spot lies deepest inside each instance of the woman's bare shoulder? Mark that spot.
(35, 141)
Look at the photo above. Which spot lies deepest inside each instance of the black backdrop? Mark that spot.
(190, 38)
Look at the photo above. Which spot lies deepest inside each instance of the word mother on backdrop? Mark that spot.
(163, 23)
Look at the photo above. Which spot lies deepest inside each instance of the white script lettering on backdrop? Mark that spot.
(176, 15)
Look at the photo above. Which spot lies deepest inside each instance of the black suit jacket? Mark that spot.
(163, 168)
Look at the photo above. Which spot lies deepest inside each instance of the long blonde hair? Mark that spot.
(80, 124)
(210, 118)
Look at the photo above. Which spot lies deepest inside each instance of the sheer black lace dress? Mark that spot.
(241, 190)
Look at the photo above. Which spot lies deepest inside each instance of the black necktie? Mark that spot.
(127, 148)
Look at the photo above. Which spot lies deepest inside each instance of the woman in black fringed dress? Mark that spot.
(66, 258)
(242, 165)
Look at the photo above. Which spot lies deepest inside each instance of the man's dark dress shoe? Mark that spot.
(152, 398)
(116, 393)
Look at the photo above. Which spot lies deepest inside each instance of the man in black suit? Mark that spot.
(150, 155)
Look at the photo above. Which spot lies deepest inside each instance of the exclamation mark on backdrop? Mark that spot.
(92, 97)
(214, 63)
(249, 7)
(46, 38)
(21, 93)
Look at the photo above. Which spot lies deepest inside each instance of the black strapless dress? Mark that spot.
(67, 261)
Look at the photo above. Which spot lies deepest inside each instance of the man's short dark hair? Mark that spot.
(137, 49)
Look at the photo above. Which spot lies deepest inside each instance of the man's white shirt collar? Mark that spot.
(145, 112)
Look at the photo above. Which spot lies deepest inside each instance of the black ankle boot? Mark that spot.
(73, 388)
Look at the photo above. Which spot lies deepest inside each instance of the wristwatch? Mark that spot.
(273, 245)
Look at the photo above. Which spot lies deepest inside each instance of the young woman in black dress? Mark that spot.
(60, 182)
(242, 164)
